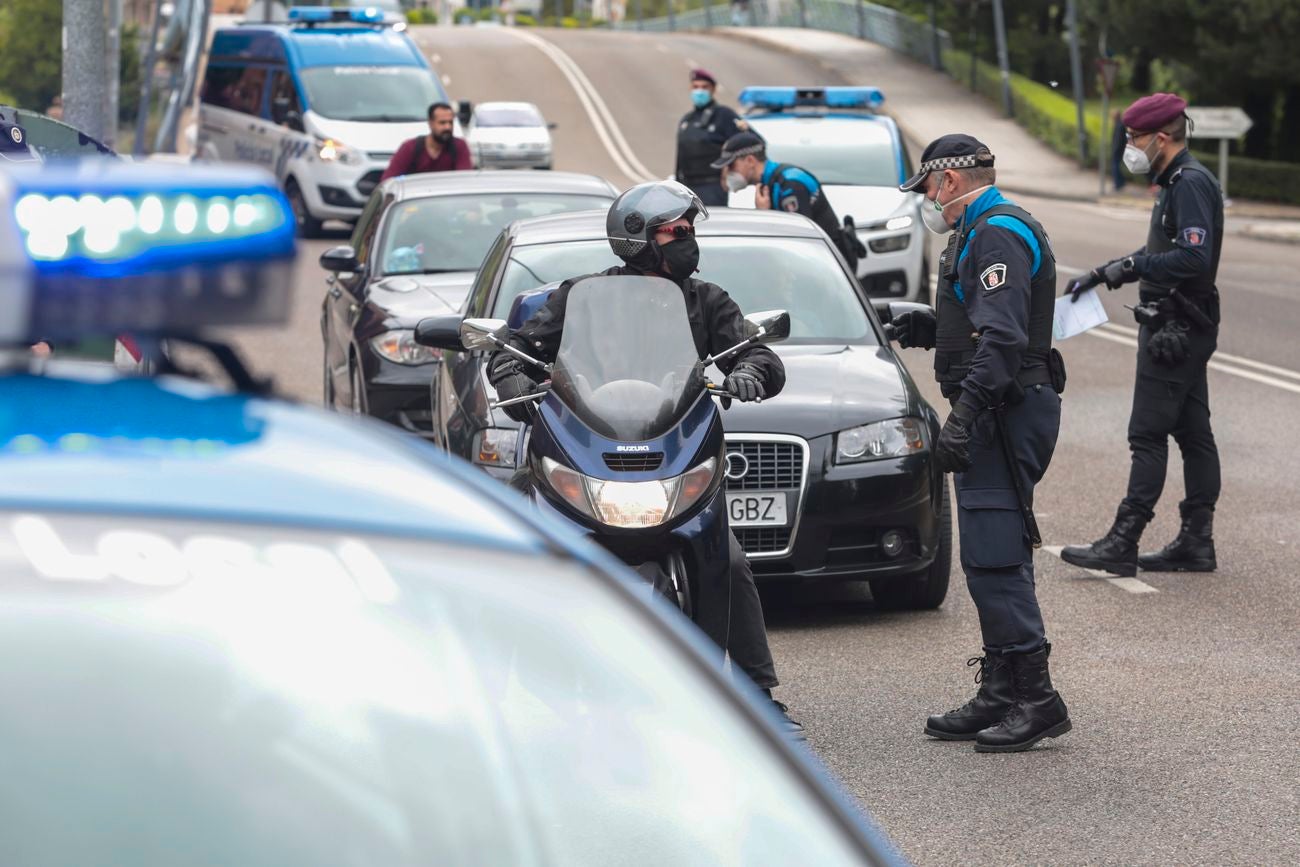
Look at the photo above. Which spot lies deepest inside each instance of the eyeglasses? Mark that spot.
(677, 231)
(1134, 136)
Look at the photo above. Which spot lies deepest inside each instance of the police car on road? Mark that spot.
(860, 158)
(323, 102)
(262, 634)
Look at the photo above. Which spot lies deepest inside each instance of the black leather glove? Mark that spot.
(952, 451)
(1083, 283)
(1115, 274)
(915, 328)
(745, 383)
(510, 382)
(1169, 346)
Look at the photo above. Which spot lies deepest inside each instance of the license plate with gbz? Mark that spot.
(757, 510)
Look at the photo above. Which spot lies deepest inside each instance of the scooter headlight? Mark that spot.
(694, 484)
(630, 504)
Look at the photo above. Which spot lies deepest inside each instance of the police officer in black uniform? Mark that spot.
(700, 135)
(651, 228)
(1179, 324)
(784, 187)
(992, 336)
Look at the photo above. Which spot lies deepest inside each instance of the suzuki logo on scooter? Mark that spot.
(631, 448)
(737, 466)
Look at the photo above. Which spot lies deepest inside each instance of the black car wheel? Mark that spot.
(308, 226)
(929, 587)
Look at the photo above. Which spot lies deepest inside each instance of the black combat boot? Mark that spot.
(989, 705)
(793, 728)
(1117, 551)
(1191, 551)
(1038, 711)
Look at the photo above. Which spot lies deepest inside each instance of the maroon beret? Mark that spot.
(1154, 111)
(703, 75)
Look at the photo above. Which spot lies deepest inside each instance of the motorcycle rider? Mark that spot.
(651, 227)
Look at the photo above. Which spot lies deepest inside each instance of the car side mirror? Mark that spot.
(768, 326)
(340, 259)
(464, 111)
(440, 332)
(888, 311)
(483, 333)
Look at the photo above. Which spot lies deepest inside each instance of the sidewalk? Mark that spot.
(927, 103)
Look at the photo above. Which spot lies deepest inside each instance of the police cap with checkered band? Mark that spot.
(956, 151)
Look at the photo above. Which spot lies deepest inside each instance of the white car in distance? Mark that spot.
(509, 135)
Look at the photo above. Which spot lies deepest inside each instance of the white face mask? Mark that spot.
(1136, 160)
(932, 211)
(736, 182)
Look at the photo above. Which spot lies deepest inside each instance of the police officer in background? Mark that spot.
(1179, 325)
(700, 135)
(992, 336)
(784, 187)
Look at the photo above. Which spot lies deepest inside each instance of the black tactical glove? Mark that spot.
(952, 451)
(510, 383)
(1169, 346)
(745, 383)
(1083, 283)
(1114, 274)
(915, 328)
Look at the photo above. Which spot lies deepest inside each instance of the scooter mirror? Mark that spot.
(483, 333)
(769, 325)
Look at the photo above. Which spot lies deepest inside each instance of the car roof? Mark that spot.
(318, 46)
(831, 128)
(490, 181)
(722, 221)
(86, 438)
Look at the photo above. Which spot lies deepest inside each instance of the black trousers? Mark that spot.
(996, 553)
(747, 639)
(1173, 401)
(710, 191)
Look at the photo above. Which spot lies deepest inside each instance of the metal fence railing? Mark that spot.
(868, 21)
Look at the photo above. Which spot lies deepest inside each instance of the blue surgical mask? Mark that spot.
(701, 98)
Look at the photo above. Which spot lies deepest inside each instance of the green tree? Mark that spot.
(31, 33)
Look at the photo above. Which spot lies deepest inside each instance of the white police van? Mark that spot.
(323, 102)
(860, 158)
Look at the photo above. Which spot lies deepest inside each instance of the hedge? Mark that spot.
(421, 16)
(1051, 117)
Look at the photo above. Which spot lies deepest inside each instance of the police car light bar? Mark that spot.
(334, 15)
(113, 247)
(778, 98)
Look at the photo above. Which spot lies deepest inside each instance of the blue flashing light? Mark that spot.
(330, 15)
(780, 98)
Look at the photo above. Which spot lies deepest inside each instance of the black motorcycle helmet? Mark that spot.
(637, 212)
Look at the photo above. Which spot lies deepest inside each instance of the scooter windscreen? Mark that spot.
(627, 365)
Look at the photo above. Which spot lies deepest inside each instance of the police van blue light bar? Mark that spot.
(779, 98)
(118, 247)
(333, 15)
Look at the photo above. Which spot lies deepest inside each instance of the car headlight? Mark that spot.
(332, 151)
(893, 438)
(496, 447)
(631, 504)
(890, 244)
(400, 347)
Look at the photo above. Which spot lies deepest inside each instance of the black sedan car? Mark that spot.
(834, 478)
(414, 253)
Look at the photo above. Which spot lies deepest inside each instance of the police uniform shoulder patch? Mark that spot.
(1194, 236)
(993, 277)
(791, 204)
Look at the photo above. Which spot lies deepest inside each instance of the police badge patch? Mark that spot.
(1194, 236)
(993, 277)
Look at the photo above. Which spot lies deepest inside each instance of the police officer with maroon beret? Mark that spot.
(700, 135)
(1178, 320)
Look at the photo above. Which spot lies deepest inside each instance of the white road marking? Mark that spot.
(1221, 356)
(598, 113)
(1132, 585)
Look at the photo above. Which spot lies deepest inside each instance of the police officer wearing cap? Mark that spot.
(1178, 320)
(993, 359)
(784, 187)
(700, 135)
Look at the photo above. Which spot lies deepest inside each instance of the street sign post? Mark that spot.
(1107, 67)
(1224, 123)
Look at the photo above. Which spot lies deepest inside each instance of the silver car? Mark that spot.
(509, 135)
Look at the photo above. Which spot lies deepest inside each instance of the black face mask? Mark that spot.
(682, 257)
(442, 137)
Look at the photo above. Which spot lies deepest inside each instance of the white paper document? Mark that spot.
(1073, 318)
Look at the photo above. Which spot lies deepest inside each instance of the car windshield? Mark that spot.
(627, 364)
(515, 116)
(862, 162)
(453, 233)
(389, 94)
(800, 275)
(262, 695)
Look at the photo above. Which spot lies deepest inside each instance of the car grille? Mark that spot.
(642, 462)
(771, 465)
(763, 540)
(369, 181)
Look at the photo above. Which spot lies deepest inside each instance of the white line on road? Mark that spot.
(597, 112)
(1132, 585)
(1221, 356)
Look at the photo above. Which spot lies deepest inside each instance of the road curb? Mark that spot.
(1274, 236)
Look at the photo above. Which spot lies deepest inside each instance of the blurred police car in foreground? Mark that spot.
(227, 637)
(860, 159)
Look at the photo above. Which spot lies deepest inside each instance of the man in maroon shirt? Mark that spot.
(439, 151)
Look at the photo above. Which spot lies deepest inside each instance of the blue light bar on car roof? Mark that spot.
(778, 98)
(117, 247)
(327, 15)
